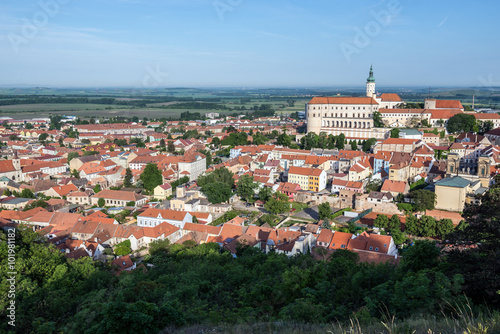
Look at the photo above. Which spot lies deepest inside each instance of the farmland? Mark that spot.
(170, 103)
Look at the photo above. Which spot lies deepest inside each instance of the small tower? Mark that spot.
(370, 84)
(483, 170)
(180, 191)
(16, 162)
(453, 164)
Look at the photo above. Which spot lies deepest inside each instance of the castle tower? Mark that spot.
(483, 170)
(453, 164)
(370, 84)
(430, 104)
(314, 119)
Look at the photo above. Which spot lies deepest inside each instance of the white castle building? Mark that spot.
(352, 116)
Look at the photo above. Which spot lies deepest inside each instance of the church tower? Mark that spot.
(16, 162)
(483, 170)
(370, 84)
(453, 165)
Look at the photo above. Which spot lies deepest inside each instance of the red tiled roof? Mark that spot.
(390, 97)
(449, 104)
(343, 100)
(393, 186)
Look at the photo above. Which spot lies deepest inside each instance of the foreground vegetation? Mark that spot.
(189, 288)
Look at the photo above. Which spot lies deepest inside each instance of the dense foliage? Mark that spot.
(200, 284)
(151, 177)
(461, 123)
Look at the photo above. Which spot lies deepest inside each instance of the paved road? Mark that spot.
(239, 205)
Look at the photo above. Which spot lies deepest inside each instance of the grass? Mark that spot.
(420, 184)
(427, 324)
(299, 206)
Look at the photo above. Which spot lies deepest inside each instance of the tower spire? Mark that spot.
(370, 84)
(371, 78)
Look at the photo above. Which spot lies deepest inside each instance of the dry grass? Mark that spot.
(463, 322)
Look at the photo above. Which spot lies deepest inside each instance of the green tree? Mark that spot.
(43, 137)
(246, 187)
(427, 227)
(398, 237)
(377, 120)
(423, 255)
(217, 192)
(326, 224)
(220, 175)
(123, 248)
(324, 210)
(395, 223)
(395, 133)
(354, 146)
(257, 139)
(97, 188)
(265, 193)
(279, 203)
(368, 144)
(423, 200)
(75, 173)
(461, 123)
(72, 155)
(171, 146)
(151, 177)
(340, 142)
(101, 203)
(374, 185)
(127, 181)
(216, 142)
(411, 225)
(444, 227)
(284, 140)
(27, 193)
(381, 221)
(485, 127)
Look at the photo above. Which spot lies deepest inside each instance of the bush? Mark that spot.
(123, 248)
(340, 213)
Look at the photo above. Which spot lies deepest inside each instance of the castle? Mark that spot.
(352, 116)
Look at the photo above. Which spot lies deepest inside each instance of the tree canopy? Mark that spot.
(219, 175)
(461, 123)
(278, 203)
(151, 177)
(246, 187)
(423, 200)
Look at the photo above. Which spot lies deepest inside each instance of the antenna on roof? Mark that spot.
(429, 92)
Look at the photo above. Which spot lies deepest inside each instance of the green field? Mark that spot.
(94, 110)
(155, 104)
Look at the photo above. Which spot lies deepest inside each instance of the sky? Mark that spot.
(248, 43)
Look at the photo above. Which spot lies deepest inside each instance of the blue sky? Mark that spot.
(251, 43)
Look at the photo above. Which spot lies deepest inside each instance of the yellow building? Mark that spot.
(451, 193)
(163, 191)
(312, 179)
